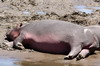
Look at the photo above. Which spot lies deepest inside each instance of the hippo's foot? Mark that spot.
(83, 54)
(68, 57)
(79, 57)
(19, 46)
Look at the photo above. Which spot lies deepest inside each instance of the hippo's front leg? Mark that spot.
(75, 49)
(18, 43)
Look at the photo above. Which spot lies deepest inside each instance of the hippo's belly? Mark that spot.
(50, 43)
(60, 47)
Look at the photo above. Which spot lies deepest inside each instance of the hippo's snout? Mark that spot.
(8, 37)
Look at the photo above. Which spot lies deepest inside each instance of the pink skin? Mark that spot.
(13, 34)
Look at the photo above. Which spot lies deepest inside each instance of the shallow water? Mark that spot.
(96, 7)
(8, 62)
(87, 10)
(26, 12)
(14, 62)
(41, 13)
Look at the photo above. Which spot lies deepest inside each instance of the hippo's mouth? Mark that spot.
(8, 38)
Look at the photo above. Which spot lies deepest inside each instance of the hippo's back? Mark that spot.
(46, 26)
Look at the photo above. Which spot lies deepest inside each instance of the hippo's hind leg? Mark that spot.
(75, 49)
(85, 52)
(88, 50)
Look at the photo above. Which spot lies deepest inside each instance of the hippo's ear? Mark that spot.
(19, 26)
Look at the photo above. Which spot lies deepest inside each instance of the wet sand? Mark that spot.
(25, 58)
(13, 12)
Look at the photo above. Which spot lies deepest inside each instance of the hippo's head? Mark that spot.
(13, 33)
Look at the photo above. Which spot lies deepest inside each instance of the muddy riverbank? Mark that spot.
(13, 12)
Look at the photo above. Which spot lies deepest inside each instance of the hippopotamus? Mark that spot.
(54, 36)
(94, 29)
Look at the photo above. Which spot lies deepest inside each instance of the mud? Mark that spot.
(13, 12)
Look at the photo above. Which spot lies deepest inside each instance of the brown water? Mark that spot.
(24, 63)
(14, 62)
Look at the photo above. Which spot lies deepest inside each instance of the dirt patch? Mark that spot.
(97, 0)
(82, 18)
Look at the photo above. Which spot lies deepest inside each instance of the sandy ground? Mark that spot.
(13, 12)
